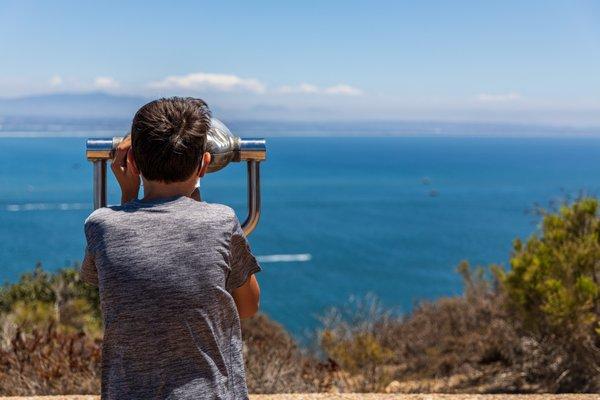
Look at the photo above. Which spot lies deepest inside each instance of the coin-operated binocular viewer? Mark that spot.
(224, 148)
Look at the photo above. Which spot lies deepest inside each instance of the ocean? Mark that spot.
(342, 216)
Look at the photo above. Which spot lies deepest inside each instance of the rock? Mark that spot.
(393, 387)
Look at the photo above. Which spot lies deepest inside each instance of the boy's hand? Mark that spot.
(126, 174)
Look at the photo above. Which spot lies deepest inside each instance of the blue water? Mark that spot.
(363, 209)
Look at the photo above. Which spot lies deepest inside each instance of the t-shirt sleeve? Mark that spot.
(242, 262)
(88, 271)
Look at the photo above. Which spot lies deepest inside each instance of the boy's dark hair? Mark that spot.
(168, 138)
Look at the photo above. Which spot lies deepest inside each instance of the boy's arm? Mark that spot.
(241, 282)
(88, 271)
(128, 179)
(247, 297)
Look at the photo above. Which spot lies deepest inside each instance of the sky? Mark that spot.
(509, 61)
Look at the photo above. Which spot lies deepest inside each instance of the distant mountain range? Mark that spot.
(72, 105)
(78, 113)
(101, 105)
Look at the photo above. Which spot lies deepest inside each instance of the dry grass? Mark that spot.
(50, 362)
(466, 344)
(453, 345)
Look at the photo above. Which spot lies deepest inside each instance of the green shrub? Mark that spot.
(553, 291)
(553, 283)
(62, 299)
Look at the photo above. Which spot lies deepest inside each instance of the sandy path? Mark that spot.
(366, 397)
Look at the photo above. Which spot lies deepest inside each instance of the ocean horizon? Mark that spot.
(63, 126)
(390, 216)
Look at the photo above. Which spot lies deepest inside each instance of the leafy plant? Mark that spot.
(554, 279)
(553, 290)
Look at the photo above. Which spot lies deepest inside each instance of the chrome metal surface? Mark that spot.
(221, 144)
(101, 148)
(252, 149)
(253, 197)
(99, 184)
(224, 148)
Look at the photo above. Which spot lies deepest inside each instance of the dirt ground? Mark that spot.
(322, 396)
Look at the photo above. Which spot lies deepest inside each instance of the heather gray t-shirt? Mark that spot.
(166, 270)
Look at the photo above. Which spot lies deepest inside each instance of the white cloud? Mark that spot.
(201, 80)
(56, 80)
(343, 90)
(105, 82)
(234, 83)
(301, 88)
(498, 97)
(307, 88)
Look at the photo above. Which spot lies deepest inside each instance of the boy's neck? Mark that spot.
(154, 190)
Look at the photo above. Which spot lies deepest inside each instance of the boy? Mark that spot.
(175, 275)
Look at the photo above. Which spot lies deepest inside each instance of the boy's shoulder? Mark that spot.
(98, 215)
(219, 209)
(214, 210)
(218, 215)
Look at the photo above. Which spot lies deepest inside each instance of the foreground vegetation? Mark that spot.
(532, 328)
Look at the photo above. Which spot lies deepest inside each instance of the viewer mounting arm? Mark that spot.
(224, 148)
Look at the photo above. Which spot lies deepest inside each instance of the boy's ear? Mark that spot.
(206, 157)
(131, 162)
